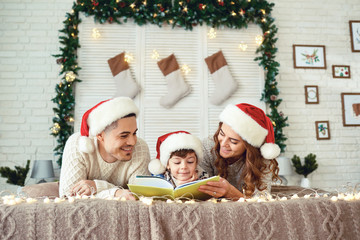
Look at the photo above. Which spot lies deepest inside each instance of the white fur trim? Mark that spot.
(108, 112)
(180, 141)
(270, 150)
(155, 167)
(86, 144)
(247, 128)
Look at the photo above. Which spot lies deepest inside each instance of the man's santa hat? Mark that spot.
(170, 143)
(96, 119)
(253, 126)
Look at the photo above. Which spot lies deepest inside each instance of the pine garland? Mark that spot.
(186, 14)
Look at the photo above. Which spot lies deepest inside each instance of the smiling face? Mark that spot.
(183, 168)
(117, 143)
(231, 144)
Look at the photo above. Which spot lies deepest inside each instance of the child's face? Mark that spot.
(183, 169)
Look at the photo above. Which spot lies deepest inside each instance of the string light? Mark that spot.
(185, 69)
(233, 13)
(243, 46)
(155, 55)
(259, 39)
(242, 12)
(212, 33)
(128, 57)
(185, 9)
(56, 128)
(96, 33)
(70, 76)
(132, 5)
(263, 11)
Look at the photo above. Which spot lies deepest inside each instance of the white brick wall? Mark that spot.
(28, 73)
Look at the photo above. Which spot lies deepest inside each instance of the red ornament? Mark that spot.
(268, 54)
(110, 20)
(221, 3)
(162, 9)
(201, 6)
(95, 3)
(273, 97)
(122, 4)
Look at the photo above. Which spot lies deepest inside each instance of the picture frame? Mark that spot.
(322, 130)
(355, 35)
(341, 71)
(309, 56)
(350, 103)
(311, 94)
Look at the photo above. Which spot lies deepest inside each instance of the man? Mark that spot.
(106, 154)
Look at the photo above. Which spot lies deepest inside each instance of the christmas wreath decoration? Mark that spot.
(184, 13)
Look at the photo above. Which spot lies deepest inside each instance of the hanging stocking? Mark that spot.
(225, 85)
(125, 85)
(176, 86)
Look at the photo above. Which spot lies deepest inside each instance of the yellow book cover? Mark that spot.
(152, 186)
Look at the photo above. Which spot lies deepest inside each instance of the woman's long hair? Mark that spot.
(254, 168)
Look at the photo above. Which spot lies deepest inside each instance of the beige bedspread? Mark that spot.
(314, 218)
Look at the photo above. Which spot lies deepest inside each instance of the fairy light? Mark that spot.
(212, 33)
(147, 201)
(185, 9)
(95, 33)
(203, 6)
(132, 5)
(185, 69)
(243, 46)
(263, 11)
(233, 13)
(283, 199)
(31, 200)
(56, 128)
(155, 15)
(155, 55)
(307, 196)
(334, 198)
(169, 201)
(192, 201)
(128, 57)
(263, 20)
(259, 39)
(71, 199)
(144, 2)
(123, 199)
(58, 200)
(242, 12)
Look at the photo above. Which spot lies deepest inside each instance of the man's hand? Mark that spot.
(84, 187)
(123, 193)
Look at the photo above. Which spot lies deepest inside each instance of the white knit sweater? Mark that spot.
(108, 177)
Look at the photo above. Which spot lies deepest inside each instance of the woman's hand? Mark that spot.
(124, 193)
(222, 188)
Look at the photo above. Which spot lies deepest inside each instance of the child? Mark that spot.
(178, 156)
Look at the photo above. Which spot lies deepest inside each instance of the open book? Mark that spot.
(152, 186)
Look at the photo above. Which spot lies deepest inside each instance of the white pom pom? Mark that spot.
(86, 145)
(270, 150)
(155, 167)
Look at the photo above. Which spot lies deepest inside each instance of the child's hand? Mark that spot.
(193, 178)
(124, 193)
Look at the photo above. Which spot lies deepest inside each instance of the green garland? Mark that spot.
(187, 14)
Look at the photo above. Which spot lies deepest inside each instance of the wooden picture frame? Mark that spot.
(341, 71)
(322, 130)
(311, 94)
(355, 35)
(309, 56)
(350, 103)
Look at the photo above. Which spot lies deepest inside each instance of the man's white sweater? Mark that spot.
(108, 177)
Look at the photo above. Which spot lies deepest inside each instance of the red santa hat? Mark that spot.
(171, 142)
(96, 119)
(253, 126)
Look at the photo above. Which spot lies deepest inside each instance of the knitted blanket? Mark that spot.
(313, 218)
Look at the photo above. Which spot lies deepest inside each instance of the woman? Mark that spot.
(242, 152)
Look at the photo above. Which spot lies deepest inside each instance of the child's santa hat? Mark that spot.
(96, 119)
(253, 126)
(170, 143)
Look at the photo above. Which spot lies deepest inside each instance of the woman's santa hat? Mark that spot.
(253, 126)
(96, 119)
(171, 142)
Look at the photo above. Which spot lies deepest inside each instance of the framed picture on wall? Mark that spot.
(341, 71)
(350, 109)
(311, 94)
(322, 130)
(355, 35)
(309, 56)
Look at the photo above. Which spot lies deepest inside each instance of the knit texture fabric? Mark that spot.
(78, 166)
(234, 170)
(314, 218)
